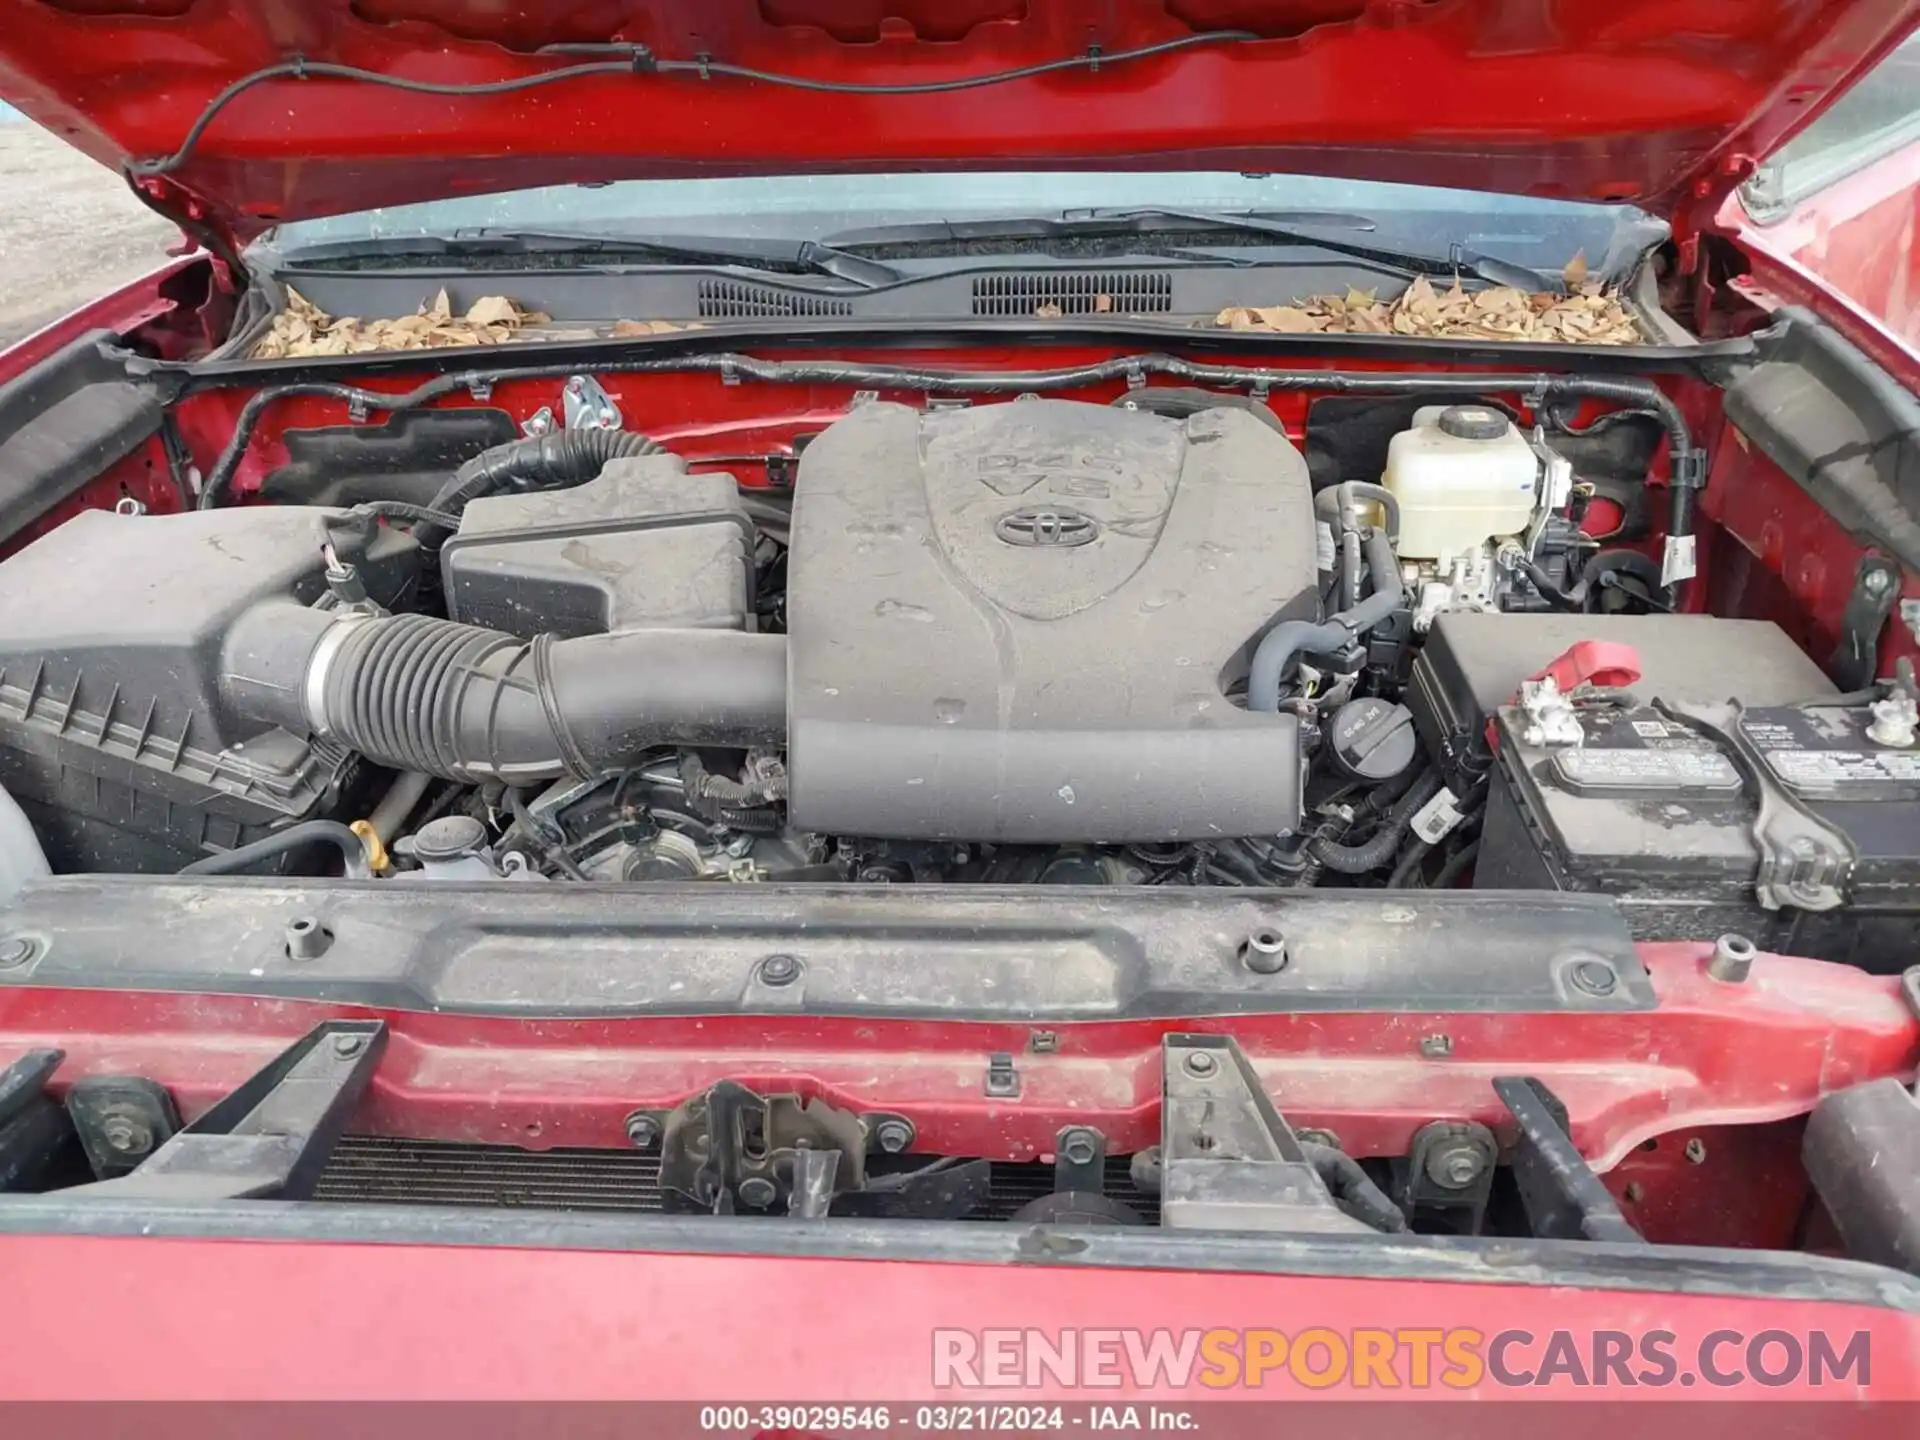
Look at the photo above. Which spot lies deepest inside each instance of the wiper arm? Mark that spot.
(808, 255)
(1289, 227)
(1459, 261)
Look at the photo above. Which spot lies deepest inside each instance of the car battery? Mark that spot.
(1725, 791)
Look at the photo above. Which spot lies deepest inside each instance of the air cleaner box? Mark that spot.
(1661, 813)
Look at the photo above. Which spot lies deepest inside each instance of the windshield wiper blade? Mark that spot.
(1460, 260)
(771, 253)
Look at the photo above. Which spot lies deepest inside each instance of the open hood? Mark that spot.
(1653, 101)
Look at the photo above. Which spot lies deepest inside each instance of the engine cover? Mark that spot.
(1019, 622)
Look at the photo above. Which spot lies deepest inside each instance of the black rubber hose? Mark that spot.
(1353, 1188)
(415, 693)
(1456, 864)
(557, 460)
(307, 832)
(1407, 864)
(1370, 855)
(1337, 505)
(1552, 593)
(1291, 638)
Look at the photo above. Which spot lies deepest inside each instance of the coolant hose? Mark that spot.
(1291, 638)
(353, 854)
(416, 693)
(557, 460)
(1370, 855)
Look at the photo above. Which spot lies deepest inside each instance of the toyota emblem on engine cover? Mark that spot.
(1046, 527)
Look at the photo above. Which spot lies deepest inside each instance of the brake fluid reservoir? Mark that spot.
(1462, 474)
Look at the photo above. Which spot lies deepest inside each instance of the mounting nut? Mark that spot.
(1201, 1063)
(1079, 1145)
(126, 1134)
(643, 1131)
(307, 938)
(894, 1135)
(1264, 951)
(1732, 959)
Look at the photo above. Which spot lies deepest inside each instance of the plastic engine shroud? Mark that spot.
(1020, 623)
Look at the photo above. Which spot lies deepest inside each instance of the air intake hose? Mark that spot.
(558, 460)
(420, 694)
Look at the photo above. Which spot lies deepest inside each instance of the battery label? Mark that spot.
(1648, 771)
(1826, 753)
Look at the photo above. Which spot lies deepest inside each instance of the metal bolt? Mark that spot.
(1877, 581)
(1695, 1150)
(1079, 1146)
(16, 951)
(348, 1045)
(779, 970)
(893, 1135)
(1436, 1047)
(1312, 1135)
(126, 1135)
(1264, 952)
(1594, 977)
(1456, 1165)
(1201, 1063)
(1732, 959)
(757, 1191)
(643, 1131)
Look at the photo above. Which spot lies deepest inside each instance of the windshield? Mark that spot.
(1520, 229)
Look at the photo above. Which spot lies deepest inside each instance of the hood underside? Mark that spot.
(1651, 101)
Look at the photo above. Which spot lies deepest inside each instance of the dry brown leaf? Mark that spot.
(1587, 315)
(627, 329)
(304, 329)
(1102, 304)
(1576, 272)
(491, 310)
(1049, 310)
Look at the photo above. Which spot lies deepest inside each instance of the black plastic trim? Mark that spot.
(1657, 1269)
(1845, 431)
(65, 420)
(956, 332)
(887, 951)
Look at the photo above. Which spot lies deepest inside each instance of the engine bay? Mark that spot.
(981, 638)
(1416, 741)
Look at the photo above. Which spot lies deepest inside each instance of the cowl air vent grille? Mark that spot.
(1074, 292)
(737, 300)
(379, 1170)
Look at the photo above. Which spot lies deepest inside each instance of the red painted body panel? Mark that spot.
(1711, 1055)
(1638, 99)
(279, 1320)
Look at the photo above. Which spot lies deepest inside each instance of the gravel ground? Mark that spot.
(69, 230)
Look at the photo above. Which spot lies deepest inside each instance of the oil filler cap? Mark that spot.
(1373, 740)
(1472, 422)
